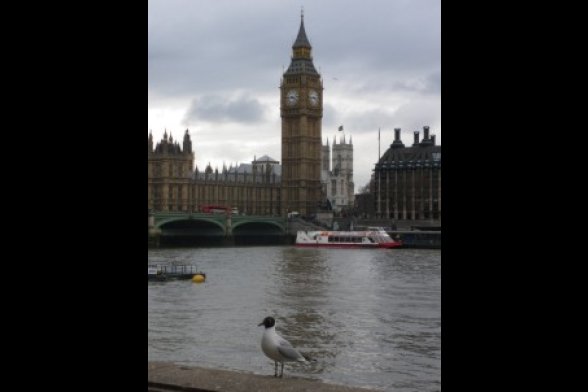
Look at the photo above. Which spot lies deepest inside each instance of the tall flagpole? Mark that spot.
(379, 178)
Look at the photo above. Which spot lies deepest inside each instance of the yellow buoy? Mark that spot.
(198, 278)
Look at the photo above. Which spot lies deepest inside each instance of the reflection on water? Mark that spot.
(300, 302)
(369, 317)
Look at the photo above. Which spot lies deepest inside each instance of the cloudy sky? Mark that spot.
(215, 69)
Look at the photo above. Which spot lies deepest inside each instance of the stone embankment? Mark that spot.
(165, 376)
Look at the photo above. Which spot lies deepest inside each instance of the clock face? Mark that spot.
(292, 97)
(313, 97)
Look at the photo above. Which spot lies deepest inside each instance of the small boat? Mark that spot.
(373, 237)
(169, 272)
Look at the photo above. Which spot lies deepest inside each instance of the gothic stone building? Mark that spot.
(301, 109)
(173, 186)
(338, 182)
(266, 188)
(407, 180)
(169, 174)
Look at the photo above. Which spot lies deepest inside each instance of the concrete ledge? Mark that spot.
(165, 376)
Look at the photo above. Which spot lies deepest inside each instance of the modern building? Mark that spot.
(407, 180)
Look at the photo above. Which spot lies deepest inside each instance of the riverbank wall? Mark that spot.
(410, 239)
(166, 376)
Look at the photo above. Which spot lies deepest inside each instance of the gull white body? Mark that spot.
(277, 348)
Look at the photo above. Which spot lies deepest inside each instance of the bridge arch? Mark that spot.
(191, 232)
(258, 225)
(257, 232)
(168, 222)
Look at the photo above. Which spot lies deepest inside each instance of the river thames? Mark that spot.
(369, 317)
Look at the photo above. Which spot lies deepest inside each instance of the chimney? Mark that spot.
(397, 142)
(416, 138)
(433, 138)
(426, 133)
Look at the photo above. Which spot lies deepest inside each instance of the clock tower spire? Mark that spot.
(301, 110)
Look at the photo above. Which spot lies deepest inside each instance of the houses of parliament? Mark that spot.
(406, 183)
(263, 187)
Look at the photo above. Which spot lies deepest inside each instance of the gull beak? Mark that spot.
(260, 324)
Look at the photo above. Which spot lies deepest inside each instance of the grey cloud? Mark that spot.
(416, 114)
(371, 120)
(331, 118)
(424, 82)
(214, 48)
(244, 46)
(218, 108)
(433, 83)
(409, 117)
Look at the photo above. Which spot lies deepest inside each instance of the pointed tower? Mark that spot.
(301, 110)
(340, 188)
(187, 143)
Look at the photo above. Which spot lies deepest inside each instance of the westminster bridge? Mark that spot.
(182, 228)
(214, 228)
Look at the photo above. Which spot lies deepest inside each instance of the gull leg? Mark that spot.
(282, 373)
(276, 372)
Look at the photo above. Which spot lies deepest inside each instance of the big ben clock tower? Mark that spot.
(301, 109)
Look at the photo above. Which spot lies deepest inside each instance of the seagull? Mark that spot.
(276, 347)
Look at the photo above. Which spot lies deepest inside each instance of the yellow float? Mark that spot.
(199, 277)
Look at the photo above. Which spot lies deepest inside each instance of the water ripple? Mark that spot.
(370, 318)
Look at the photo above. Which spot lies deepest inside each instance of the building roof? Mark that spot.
(301, 64)
(416, 155)
(266, 158)
(248, 168)
(298, 66)
(301, 39)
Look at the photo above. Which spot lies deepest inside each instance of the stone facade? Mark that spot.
(407, 180)
(253, 189)
(338, 182)
(301, 110)
(169, 174)
(262, 187)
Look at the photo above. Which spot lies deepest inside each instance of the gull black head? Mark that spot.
(268, 322)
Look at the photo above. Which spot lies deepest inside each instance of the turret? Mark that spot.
(187, 143)
(301, 54)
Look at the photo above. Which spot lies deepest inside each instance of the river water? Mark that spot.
(369, 317)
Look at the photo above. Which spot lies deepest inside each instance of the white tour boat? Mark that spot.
(375, 237)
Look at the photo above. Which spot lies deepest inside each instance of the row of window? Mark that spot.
(336, 239)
